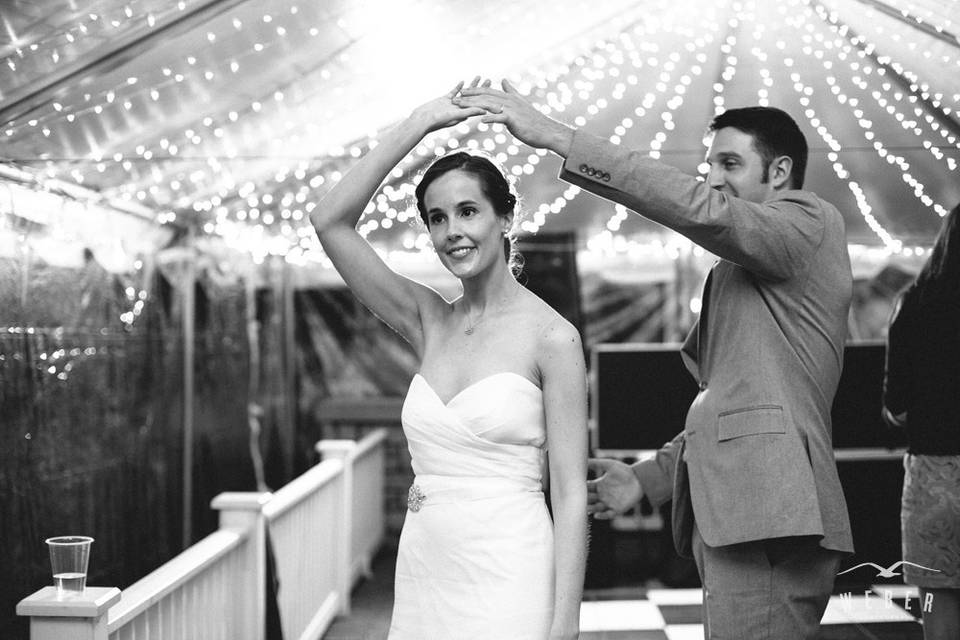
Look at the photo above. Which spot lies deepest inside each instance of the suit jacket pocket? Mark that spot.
(750, 421)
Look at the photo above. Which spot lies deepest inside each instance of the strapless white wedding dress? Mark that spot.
(475, 559)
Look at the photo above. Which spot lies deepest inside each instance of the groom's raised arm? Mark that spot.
(774, 240)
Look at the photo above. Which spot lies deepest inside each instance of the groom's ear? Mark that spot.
(781, 172)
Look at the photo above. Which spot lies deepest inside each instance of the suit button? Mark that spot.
(703, 385)
(605, 177)
(583, 168)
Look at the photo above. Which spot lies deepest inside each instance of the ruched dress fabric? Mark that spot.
(475, 560)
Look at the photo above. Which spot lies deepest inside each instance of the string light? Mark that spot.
(581, 93)
(821, 52)
(81, 35)
(201, 171)
(805, 92)
(887, 94)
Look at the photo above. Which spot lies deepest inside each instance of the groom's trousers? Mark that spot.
(772, 589)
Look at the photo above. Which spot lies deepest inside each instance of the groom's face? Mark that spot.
(736, 168)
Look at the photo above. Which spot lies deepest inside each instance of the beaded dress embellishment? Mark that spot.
(415, 498)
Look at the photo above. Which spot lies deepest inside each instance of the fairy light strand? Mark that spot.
(918, 189)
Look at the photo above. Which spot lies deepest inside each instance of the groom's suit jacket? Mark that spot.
(755, 458)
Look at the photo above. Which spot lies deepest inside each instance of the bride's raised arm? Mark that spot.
(396, 300)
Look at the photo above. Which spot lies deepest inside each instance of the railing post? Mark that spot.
(73, 617)
(343, 450)
(241, 511)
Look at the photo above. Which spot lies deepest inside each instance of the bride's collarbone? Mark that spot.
(492, 348)
(503, 337)
(459, 328)
(490, 342)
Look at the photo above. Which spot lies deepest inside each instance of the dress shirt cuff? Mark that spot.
(656, 479)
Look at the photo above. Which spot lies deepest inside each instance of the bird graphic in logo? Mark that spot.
(887, 572)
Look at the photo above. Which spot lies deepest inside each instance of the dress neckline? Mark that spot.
(475, 383)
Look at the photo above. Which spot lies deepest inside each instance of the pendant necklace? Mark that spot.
(468, 330)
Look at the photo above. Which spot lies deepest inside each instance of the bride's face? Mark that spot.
(465, 229)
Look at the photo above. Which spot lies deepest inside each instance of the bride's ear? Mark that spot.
(506, 223)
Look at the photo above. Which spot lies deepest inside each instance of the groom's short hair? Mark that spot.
(774, 134)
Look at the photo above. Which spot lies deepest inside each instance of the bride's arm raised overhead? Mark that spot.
(396, 300)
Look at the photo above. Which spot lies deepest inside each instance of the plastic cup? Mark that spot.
(69, 556)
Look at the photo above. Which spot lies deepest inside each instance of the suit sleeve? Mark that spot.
(775, 240)
(656, 474)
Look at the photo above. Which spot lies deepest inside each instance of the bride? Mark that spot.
(501, 379)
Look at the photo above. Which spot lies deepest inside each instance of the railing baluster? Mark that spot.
(343, 450)
(242, 512)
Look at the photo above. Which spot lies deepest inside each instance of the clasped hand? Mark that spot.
(505, 106)
(508, 106)
(446, 110)
(465, 101)
(615, 490)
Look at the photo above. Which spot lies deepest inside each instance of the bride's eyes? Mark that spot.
(464, 212)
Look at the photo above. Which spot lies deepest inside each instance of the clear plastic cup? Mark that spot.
(69, 556)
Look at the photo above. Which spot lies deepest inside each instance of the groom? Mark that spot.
(756, 495)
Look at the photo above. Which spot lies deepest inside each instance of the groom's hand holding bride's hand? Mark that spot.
(446, 111)
(615, 490)
(509, 107)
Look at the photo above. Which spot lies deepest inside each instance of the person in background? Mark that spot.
(753, 478)
(501, 376)
(922, 394)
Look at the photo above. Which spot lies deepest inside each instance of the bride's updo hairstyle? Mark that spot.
(494, 184)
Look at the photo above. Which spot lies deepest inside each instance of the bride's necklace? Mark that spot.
(471, 325)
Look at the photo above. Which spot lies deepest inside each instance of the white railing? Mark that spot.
(305, 528)
(190, 596)
(324, 527)
(365, 478)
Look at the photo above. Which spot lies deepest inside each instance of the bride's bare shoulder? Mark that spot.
(548, 324)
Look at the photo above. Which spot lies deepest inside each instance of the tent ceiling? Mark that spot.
(235, 116)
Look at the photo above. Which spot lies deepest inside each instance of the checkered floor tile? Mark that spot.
(675, 614)
(884, 612)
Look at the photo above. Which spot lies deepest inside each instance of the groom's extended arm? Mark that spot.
(776, 239)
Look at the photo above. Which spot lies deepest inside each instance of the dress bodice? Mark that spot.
(493, 428)
(476, 555)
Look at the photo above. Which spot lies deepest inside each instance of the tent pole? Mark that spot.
(289, 367)
(189, 320)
